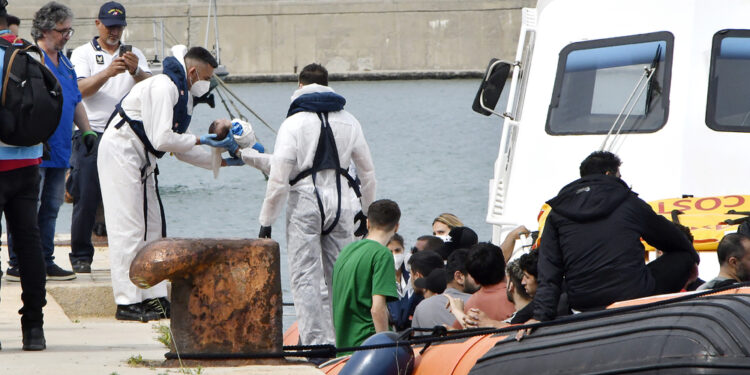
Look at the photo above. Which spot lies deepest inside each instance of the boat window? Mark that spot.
(728, 108)
(600, 80)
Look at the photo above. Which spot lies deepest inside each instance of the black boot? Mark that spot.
(159, 306)
(132, 312)
(33, 339)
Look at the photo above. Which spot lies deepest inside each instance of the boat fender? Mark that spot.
(386, 361)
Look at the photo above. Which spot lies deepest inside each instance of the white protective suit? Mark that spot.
(311, 255)
(120, 159)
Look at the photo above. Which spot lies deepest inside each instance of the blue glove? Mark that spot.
(228, 142)
(259, 147)
(234, 162)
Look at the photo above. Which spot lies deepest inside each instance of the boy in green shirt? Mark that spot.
(364, 279)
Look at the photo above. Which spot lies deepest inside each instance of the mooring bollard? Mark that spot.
(226, 294)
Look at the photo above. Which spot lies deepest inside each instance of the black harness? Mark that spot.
(327, 157)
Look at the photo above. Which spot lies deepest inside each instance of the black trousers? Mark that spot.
(671, 271)
(87, 197)
(19, 194)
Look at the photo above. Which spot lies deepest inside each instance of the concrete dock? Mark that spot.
(83, 336)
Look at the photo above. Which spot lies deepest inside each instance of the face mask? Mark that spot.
(200, 88)
(445, 238)
(398, 260)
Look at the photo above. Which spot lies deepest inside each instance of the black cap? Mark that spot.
(434, 282)
(112, 14)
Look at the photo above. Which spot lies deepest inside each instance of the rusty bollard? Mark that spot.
(226, 294)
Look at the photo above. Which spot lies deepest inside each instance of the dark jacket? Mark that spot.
(592, 239)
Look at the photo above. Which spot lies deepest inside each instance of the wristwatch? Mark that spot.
(137, 70)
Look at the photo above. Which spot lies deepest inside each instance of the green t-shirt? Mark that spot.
(363, 269)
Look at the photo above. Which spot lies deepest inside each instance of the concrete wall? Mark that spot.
(277, 37)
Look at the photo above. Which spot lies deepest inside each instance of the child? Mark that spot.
(242, 132)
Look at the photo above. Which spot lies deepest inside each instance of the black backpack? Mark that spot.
(31, 101)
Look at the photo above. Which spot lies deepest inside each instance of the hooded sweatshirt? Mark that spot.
(592, 240)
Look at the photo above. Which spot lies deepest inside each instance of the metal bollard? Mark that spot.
(226, 294)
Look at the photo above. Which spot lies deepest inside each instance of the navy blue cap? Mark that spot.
(112, 14)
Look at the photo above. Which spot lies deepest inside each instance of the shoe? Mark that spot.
(81, 266)
(160, 306)
(33, 339)
(135, 312)
(54, 272)
(12, 274)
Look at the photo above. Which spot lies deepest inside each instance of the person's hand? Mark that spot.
(258, 147)
(525, 332)
(88, 138)
(454, 304)
(131, 62)
(227, 143)
(117, 66)
(233, 162)
(362, 228)
(265, 232)
(516, 233)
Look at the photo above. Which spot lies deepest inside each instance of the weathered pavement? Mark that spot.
(88, 340)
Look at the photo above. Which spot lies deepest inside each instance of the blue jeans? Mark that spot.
(51, 194)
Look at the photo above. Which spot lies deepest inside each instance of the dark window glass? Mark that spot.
(595, 80)
(728, 106)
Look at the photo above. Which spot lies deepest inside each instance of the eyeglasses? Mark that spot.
(66, 33)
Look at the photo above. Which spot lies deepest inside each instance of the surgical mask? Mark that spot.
(445, 238)
(200, 88)
(398, 259)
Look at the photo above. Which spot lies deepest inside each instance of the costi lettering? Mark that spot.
(724, 203)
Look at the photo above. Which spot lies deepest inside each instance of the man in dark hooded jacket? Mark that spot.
(592, 240)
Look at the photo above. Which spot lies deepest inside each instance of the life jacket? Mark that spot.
(326, 154)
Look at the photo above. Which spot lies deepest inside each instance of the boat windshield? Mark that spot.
(728, 107)
(596, 79)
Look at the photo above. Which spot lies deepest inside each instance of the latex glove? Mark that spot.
(362, 228)
(88, 138)
(265, 232)
(233, 162)
(259, 147)
(228, 142)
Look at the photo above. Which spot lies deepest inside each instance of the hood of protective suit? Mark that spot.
(309, 89)
(590, 198)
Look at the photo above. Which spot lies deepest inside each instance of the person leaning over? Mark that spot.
(105, 75)
(363, 279)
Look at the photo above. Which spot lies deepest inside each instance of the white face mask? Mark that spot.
(445, 238)
(199, 88)
(398, 260)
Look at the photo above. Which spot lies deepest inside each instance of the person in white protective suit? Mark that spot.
(150, 121)
(314, 146)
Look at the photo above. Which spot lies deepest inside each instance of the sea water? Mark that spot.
(432, 154)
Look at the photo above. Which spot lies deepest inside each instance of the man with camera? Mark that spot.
(106, 70)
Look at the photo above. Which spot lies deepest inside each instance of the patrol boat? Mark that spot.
(663, 84)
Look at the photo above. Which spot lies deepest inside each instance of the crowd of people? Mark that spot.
(588, 254)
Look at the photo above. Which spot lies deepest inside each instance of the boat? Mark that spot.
(663, 84)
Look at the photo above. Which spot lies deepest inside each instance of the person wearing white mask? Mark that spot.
(396, 246)
(150, 121)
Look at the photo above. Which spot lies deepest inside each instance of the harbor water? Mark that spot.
(432, 154)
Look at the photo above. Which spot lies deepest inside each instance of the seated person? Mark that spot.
(460, 284)
(252, 152)
(401, 310)
(363, 279)
(527, 264)
(734, 261)
(427, 243)
(516, 294)
(432, 310)
(486, 266)
(421, 263)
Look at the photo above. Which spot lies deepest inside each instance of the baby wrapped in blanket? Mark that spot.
(242, 132)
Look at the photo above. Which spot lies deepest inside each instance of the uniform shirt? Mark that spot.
(90, 59)
(14, 157)
(363, 269)
(60, 142)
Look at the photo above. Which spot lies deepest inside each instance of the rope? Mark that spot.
(329, 351)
